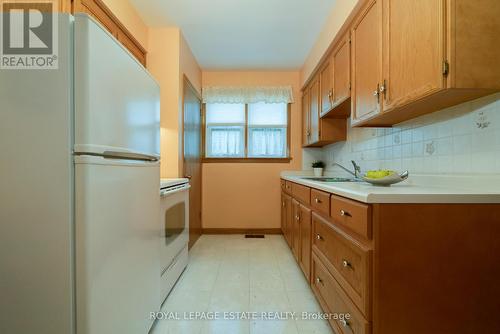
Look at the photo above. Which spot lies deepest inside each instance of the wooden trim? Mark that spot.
(246, 160)
(241, 231)
(108, 11)
(118, 29)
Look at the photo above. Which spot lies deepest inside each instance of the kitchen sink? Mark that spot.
(331, 179)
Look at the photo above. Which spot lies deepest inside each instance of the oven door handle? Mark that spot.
(170, 192)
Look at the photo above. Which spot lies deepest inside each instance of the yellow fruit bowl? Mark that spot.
(384, 177)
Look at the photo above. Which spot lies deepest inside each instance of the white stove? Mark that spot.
(174, 220)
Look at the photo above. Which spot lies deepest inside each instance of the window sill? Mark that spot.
(246, 160)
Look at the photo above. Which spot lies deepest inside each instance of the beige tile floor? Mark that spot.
(228, 273)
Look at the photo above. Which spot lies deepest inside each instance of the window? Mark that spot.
(254, 130)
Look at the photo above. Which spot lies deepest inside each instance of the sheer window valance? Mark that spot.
(267, 94)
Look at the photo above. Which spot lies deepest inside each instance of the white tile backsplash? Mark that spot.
(461, 139)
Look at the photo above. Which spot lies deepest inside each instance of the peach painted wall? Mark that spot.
(247, 195)
(169, 58)
(339, 14)
(128, 15)
(163, 63)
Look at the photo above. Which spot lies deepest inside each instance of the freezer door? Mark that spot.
(117, 102)
(117, 245)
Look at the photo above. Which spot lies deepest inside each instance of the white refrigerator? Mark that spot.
(79, 190)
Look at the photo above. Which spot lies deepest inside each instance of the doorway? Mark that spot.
(192, 156)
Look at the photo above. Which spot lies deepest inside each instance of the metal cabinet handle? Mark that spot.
(383, 89)
(376, 93)
(319, 237)
(344, 213)
(345, 323)
(318, 280)
(346, 264)
(297, 217)
(317, 200)
(283, 204)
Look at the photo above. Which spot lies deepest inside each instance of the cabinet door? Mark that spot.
(314, 112)
(288, 218)
(342, 69)
(305, 240)
(283, 214)
(367, 62)
(326, 86)
(296, 229)
(306, 126)
(413, 50)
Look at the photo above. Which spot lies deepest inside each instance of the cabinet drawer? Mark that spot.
(302, 193)
(320, 201)
(333, 298)
(288, 186)
(351, 214)
(348, 261)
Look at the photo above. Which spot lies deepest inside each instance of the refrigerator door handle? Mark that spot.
(120, 155)
(129, 156)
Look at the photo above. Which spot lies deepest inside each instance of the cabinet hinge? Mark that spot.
(446, 67)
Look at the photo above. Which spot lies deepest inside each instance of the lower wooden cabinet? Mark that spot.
(335, 301)
(305, 240)
(296, 225)
(283, 214)
(286, 217)
(348, 260)
(296, 229)
(392, 267)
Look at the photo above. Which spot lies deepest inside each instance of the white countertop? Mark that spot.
(417, 189)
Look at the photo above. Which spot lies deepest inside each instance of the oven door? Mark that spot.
(174, 228)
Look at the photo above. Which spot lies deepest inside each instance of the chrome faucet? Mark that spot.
(357, 169)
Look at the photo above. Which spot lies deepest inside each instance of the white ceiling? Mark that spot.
(242, 34)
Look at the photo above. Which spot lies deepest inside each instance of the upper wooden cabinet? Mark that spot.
(434, 54)
(335, 81)
(314, 100)
(413, 53)
(99, 11)
(342, 78)
(326, 83)
(318, 131)
(366, 37)
(306, 126)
